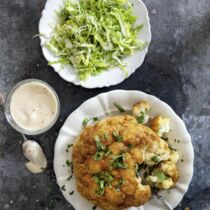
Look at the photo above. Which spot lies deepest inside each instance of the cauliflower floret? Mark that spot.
(152, 179)
(117, 147)
(151, 158)
(138, 154)
(170, 169)
(95, 167)
(167, 184)
(113, 196)
(160, 125)
(140, 111)
(174, 156)
(160, 180)
(159, 151)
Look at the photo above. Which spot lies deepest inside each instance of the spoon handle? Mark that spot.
(160, 198)
(2, 98)
(24, 137)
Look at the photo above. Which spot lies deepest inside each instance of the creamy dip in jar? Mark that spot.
(34, 106)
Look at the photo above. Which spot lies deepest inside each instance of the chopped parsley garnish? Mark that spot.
(140, 119)
(99, 145)
(85, 122)
(101, 149)
(95, 119)
(160, 175)
(120, 183)
(68, 163)
(119, 107)
(71, 193)
(63, 188)
(99, 155)
(70, 145)
(117, 137)
(108, 153)
(164, 138)
(101, 185)
(106, 135)
(103, 179)
(69, 178)
(119, 161)
(155, 159)
(107, 177)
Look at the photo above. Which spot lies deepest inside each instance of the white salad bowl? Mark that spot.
(107, 78)
(102, 106)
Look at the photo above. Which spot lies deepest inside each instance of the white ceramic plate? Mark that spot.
(107, 78)
(102, 106)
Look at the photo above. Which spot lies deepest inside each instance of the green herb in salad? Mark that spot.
(95, 35)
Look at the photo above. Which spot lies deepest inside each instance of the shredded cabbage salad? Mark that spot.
(95, 35)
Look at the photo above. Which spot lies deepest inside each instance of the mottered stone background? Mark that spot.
(176, 69)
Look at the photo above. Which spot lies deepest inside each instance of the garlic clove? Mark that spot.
(34, 168)
(33, 152)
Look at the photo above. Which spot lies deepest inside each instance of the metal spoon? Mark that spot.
(160, 198)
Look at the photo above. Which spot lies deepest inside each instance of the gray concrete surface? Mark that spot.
(176, 69)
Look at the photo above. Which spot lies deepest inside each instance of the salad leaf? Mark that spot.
(95, 35)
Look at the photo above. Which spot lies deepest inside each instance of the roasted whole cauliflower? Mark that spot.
(107, 158)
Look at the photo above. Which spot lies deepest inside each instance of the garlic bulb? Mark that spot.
(34, 153)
